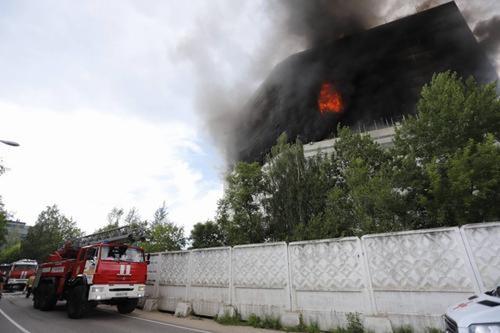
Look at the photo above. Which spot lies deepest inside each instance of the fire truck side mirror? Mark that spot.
(148, 257)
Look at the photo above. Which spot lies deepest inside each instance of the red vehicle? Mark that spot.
(19, 273)
(99, 268)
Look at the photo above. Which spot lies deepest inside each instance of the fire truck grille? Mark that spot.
(121, 289)
(451, 325)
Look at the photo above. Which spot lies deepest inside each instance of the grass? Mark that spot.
(433, 330)
(354, 324)
(403, 329)
(254, 321)
(313, 327)
(266, 322)
(227, 319)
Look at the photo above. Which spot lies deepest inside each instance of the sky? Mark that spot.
(102, 105)
(107, 100)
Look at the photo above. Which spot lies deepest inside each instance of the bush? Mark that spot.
(354, 324)
(254, 320)
(267, 322)
(227, 319)
(271, 322)
(313, 327)
(403, 329)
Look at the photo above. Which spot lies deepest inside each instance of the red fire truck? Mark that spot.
(99, 268)
(19, 273)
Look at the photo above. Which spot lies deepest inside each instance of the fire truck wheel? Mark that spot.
(127, 306)
(77, 305)
(47, 298)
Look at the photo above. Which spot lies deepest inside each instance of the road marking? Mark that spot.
(164, 324)
(22, 329)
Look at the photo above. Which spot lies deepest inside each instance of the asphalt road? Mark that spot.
(18, 315)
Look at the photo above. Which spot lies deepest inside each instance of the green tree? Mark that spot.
(162, 234)
(50, 231)
(11, 253)
(450, 113)
(285, 199)
(114, 219)
(3, 223)
(208, 234)
(466, 188)
(239, 211)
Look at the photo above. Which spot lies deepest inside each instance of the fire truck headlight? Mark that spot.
(485, 328)
(97, 289)
(141, 288)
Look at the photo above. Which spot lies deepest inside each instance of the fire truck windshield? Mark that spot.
(24, 267)
(122, 253)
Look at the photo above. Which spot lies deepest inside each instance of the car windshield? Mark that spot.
(24, 267)
(122, 253)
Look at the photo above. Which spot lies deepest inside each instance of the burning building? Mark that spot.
(372, 75)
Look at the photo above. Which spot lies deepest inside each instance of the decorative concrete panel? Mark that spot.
(432, 260)
(329, 265)
(170, 296)
(174, 268)
(211, 267)
(260, 266)
(484, 241)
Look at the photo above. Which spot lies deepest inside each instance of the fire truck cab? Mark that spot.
(19, 273)
(108, 271)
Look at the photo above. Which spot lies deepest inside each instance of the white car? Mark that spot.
(478, 314)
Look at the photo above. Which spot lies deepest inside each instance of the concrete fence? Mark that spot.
(391, 279)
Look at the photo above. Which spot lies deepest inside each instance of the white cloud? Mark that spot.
(88, 162)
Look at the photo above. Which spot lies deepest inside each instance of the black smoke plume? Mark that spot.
(378, 72)
(321, 21)
(232, 108)
(488, 33)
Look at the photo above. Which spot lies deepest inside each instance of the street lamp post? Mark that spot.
(10, 143)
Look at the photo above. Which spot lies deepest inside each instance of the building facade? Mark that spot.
(383, 136)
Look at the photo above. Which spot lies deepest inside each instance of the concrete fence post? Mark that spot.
(368, 278)
(151, 301)
(188, 276)
(291, 304)
(469, 258)
(231, 284)
(156, 287)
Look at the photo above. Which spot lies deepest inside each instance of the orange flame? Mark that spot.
(329, 99)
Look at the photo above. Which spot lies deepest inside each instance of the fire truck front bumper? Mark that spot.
(16, 281)
(100, 292)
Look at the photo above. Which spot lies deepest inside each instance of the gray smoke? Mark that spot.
(488, 33)
(225, 85)
(320, 21)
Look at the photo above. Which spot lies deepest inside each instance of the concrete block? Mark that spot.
(140, 303)
(290, 319)
(150, 304)
(378, 324)
(183, 309)
(226, 310)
